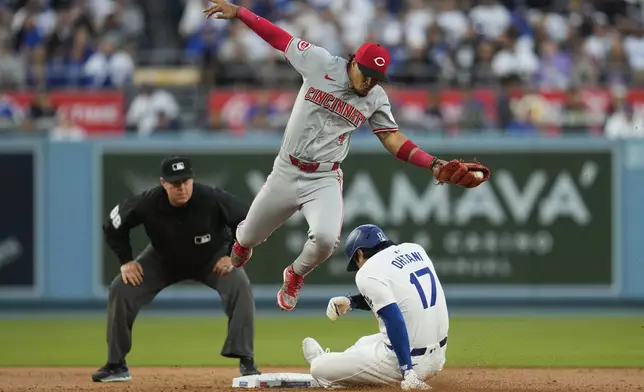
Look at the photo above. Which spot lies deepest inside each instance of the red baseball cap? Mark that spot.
(373, 60)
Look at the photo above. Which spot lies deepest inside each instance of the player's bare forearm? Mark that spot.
(392, 141)
(405, 150)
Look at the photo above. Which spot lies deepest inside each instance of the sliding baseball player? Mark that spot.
(398, 283)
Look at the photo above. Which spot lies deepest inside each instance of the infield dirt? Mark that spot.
(193, 379)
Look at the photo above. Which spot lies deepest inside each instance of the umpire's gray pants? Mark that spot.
(125, 301)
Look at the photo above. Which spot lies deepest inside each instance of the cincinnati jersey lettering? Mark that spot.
(335, 105)
(326, 111)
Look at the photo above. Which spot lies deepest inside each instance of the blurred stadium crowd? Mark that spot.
(500, 56)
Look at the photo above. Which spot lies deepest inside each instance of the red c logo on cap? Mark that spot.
(379, 61)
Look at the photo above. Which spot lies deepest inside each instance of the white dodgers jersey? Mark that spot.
(404, 274)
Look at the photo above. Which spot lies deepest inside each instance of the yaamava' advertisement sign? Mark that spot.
(544, 218)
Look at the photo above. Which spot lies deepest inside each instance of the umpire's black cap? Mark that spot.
(176, 168)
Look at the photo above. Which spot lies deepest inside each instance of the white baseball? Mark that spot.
(478, 175)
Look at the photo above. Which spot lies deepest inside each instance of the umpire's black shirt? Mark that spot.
(188, 237)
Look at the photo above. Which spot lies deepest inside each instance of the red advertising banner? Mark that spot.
(545, 110)
(95, 112)
(235, 108)
(547, 107)
(410, 105)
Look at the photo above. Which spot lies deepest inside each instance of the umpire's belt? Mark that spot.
(312, 167)
(416, 352)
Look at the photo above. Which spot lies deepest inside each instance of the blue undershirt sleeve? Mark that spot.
(397, 333)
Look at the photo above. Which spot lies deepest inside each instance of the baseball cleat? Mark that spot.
(311, 349)
(287, 296)
(247, 367)
(240, 255)
(112, 373)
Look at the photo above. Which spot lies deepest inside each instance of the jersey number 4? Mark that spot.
(414, 279)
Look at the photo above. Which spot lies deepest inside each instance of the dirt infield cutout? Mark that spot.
(193, 379)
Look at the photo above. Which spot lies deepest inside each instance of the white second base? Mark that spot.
(276, 380)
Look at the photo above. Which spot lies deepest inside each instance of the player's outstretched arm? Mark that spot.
(306, 58)
(273, 35)
(407, 151)
(457, 172)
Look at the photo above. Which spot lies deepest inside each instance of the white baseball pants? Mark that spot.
(369, 362)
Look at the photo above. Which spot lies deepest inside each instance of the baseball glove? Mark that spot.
(457, 172)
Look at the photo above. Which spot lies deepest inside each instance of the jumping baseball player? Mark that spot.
(337, 96)
(399, 284)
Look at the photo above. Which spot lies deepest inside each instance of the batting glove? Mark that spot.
(412, 381)
(337, 307)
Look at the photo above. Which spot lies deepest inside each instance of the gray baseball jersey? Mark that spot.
(319, 130)
(326, 112)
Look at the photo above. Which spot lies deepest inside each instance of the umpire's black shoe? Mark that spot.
(112, 373)
(247, 367)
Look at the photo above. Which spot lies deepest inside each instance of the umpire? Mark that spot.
(191, 229)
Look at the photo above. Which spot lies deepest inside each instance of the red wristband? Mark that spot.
(405, 150)
(422, 159)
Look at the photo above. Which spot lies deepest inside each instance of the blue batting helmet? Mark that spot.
(364, 236)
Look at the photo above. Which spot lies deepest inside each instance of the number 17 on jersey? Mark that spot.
(414, 278)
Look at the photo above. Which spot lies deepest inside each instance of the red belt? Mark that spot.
(309, 167)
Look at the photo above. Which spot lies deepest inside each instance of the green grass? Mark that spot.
(192, 341)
